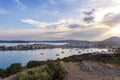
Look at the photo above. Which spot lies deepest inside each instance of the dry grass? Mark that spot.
(112, 65)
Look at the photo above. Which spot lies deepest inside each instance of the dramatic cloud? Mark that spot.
(68, 27)
(89, 19)
(89, 13)
(112, 20)
(73, 26)
(88, 34)
(60, 19)
(58, 26)
(89, 16)
(94, 24)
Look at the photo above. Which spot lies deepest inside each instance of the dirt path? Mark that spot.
(90, 71)
(86, 71)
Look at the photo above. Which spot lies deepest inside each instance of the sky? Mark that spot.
(59, 19)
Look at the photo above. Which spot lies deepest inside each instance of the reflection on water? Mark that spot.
(9, 57)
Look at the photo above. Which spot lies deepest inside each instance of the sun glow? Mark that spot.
(116, 30)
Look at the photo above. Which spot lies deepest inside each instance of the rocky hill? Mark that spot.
(90, 71)
(113, 39)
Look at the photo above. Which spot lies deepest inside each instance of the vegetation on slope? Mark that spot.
(104, 58)
(51, 71)
(12, 69)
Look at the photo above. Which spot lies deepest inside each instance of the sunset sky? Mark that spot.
(59, 19)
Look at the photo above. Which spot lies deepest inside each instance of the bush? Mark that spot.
(2, 73)
(35, 64)
(51, 71)
(14, 68)
(54, 70)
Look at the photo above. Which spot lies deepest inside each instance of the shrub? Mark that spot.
(14, 68)
(2, 73)
(51, 71)
(34, 64)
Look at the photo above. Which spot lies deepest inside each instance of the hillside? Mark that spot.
(113, 39)
(90, 71)
(85, 70)
(78, 67)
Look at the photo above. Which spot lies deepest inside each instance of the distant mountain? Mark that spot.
(13, 41)
(56, 41)
(63, 41)
(113, 39)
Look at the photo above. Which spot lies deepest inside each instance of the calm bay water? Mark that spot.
(9, 57)
(14, 44)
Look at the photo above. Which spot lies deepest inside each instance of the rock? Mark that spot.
(90, 71)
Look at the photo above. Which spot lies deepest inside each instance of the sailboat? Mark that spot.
(62, 52)
(57, 54)
(41, 53)
(79, 52)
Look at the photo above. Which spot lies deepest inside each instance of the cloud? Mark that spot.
(2, 11)
(89, 13)
(66, 28)
(30, 34)
(112, 20)
(89, 16)
(90, 34)
(53, 2)
(69, 19)
(91, 24)
(20, 4)
(74, 26)
(89, 19)
(58, 26)
(22, 34)
(36, 23)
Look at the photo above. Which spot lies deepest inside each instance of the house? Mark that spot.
(112, 49)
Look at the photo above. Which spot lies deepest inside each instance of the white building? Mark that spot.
(112, 49)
